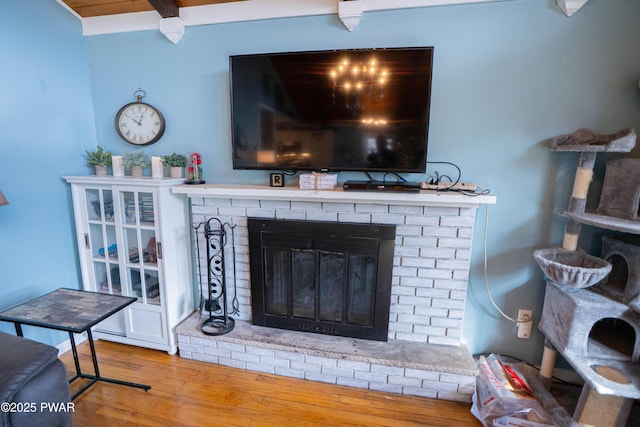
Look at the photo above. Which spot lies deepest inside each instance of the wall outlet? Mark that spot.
(525, 323)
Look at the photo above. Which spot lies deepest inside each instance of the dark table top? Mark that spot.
(67, 309)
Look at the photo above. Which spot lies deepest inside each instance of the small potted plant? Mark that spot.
(99, 159)
(176, 163)
(136, 161)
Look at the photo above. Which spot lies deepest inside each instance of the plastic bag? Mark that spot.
(503, 397)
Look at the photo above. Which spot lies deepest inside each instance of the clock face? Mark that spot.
(139, 123)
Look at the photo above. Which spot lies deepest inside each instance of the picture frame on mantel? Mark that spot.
(276, 179)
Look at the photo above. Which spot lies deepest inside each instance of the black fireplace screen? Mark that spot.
(331, 278)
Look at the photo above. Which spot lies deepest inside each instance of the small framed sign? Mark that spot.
(276, 180)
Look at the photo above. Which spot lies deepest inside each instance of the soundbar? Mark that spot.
(380, 186)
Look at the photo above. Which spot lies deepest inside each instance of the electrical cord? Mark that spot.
(478, 192)
(440, 177)
(400, 178)
(486, 279)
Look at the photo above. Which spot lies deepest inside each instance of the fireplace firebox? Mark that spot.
(323, 277)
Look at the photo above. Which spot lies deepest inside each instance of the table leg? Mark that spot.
(97, 377)
(109, 380)
(75, 353)
(79, 373)
(93, 353)
(18, 327)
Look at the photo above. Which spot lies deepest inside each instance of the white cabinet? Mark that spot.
(134, 239)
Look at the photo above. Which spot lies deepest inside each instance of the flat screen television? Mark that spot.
(339, 110)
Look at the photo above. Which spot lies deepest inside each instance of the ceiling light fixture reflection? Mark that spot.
(356, 79)
(374, 121)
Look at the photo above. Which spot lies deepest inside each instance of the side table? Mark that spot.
(74, 311)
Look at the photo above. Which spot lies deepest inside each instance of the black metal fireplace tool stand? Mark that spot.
(219, 321)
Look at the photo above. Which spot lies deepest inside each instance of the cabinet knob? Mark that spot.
(159, 250)
(86, 241)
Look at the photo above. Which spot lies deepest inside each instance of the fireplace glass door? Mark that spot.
(322, 277)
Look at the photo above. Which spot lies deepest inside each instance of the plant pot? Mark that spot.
(101, 170)
(136, 171)
(175, 171)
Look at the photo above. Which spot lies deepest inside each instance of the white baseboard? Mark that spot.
(65, 345)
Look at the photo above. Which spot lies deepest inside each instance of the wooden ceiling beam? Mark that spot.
(166, 8)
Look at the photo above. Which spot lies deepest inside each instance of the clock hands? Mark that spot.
(139, 121)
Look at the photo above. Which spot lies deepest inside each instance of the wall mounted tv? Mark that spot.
(339, 110)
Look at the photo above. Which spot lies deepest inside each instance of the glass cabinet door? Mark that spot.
(101, 240)
(139, 246)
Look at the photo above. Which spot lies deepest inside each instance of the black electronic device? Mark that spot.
(335, 110)
(381, 186)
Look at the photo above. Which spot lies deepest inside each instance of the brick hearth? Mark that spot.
(424, 355)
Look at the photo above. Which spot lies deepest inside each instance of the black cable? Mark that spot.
(400, 178)
(440, 177)
(369, 176)
(384, 177)
(437, 179)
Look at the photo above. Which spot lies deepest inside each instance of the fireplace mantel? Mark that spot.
(424, 197)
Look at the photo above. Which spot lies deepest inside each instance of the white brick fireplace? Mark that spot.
(424, 354)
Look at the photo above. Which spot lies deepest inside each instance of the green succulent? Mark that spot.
(135, 158)
(98, 157)
(174, 160)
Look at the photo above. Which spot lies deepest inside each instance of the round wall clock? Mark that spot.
(139, 123)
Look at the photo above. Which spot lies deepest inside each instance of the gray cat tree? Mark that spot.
(591, 311)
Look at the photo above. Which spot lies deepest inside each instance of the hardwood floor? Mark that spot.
(191, 393)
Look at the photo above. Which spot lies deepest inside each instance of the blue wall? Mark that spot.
(507, 77)
(46, 123)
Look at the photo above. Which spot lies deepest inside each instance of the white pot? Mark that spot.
(176, 171)
(101, 170)
(136, 170)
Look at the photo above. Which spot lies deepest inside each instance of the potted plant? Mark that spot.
(99, 159)
(136, 161)
(176, 162)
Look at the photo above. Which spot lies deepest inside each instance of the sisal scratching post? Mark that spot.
(594, 409)
(577, 204)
